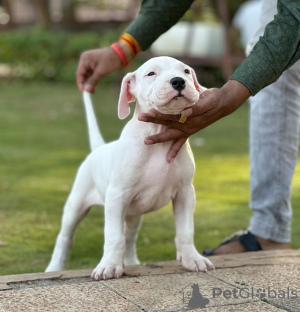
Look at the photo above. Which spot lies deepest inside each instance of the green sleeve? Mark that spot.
(275, 52)
(155, 18)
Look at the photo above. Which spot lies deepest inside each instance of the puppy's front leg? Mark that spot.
(111, 264)
(183, 207)
(132, 226)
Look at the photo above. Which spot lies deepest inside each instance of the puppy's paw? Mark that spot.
(195, 262)
(105, 271)
(54, 267)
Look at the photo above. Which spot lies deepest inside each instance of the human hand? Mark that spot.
(97, 63)
(212, 106)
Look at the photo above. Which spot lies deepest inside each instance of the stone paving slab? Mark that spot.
(278, 285)
(274, 257)
(249, 307)
(172, 292)
(241, 282)
(65, 298)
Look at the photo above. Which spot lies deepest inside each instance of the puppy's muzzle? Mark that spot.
(177, 83)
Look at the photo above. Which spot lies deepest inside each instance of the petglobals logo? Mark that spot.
(251, 292)
(193, 298)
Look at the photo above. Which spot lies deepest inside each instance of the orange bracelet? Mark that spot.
(131, 43)
(120, 53)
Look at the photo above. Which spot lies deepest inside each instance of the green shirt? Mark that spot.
(274, 53)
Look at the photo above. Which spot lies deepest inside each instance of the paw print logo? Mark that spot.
(260, 293)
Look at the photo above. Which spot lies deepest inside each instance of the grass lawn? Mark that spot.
(43, 139)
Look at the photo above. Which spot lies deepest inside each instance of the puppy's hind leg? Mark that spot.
(132, 226)
(81, 198)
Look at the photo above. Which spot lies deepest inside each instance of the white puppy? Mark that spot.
(130, 178)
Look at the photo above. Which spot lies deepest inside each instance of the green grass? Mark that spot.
(43, 139)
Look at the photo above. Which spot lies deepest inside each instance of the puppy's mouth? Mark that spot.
(175, 104)
(179, 95)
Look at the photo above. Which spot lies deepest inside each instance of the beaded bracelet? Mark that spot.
(120, 53)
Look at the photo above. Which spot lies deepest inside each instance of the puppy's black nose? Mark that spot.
(177, 83)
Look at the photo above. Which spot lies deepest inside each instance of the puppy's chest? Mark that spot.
(155, 186)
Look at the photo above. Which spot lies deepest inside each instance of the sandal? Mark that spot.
(245, 237)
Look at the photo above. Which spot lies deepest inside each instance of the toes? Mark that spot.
(197, 263)
(118, 271)
(193, 264)
(107, 272)
(209, 264)
(97, 274)
(201, 266)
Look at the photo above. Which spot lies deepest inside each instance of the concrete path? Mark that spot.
(257, 281)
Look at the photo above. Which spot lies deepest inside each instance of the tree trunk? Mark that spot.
(8, 9)
(69, 12)
(42, 10)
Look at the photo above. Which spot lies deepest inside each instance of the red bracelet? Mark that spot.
(131, 43)
(120, 53)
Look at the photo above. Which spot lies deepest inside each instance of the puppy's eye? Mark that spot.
(187, 71)
(151, 74)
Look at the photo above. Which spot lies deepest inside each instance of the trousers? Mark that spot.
(274, 137)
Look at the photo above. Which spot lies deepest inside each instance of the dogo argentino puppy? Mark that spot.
(130, 178)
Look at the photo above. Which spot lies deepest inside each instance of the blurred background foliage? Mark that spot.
(38, 53)
(43, 39)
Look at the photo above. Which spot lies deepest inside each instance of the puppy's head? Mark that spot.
(162, 83)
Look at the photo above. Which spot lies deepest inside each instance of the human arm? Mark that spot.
(276, 51)
(155, 17)
(97, 63)
(212, 106)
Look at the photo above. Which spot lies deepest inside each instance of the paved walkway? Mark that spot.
(257, 281)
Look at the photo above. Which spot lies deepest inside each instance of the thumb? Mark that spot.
(91, 82)
(200, 106)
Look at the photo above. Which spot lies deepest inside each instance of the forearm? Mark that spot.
(235, 94)
(275, 52)
(155, 18)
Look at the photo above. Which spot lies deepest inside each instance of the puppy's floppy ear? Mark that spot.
(126, 95)
(198, 86)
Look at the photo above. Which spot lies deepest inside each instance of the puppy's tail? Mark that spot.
(94, 134)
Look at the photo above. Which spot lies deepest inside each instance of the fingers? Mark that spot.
(156, 114)
(173, 133)
(87, 77)
(196, 109)
(95, 64)
(206, 102)
(90, 70)
(175, 148)
(81, 75)
(170, 121)
(146, 118)
(153, 114)
(168, 135)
